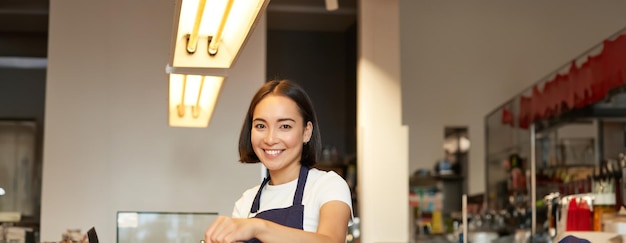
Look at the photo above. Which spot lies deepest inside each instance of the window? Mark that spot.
(19, 173)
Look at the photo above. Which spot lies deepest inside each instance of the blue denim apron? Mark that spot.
(291, 216)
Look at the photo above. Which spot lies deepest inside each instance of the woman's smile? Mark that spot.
(273, 152)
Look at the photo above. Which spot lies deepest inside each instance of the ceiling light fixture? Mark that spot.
(207, 38)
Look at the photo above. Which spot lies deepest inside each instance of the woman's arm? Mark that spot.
(332, 227)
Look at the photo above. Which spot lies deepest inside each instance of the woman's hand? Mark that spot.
(333, 224)
(226, 229)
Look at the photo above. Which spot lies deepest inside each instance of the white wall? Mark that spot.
(382, 140)
(462, 59)
(107, 143)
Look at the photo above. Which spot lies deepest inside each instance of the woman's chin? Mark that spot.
(272, 166)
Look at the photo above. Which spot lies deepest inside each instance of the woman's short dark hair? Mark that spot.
(286, 88)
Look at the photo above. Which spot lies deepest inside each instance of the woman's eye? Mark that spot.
(259, 126)
(285, 126)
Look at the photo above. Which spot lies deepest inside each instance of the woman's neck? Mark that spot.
(284, 175)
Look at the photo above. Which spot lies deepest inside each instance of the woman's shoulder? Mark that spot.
(321, 176)
(251, 192)
(328, 186)
(243, 204)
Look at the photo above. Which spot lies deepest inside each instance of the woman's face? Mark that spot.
(278, 132)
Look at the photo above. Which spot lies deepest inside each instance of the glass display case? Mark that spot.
(558, 138)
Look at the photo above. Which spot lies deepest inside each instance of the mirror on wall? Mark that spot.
(456, 147)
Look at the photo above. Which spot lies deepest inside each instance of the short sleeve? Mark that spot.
(244, 203)
(237, 210)
(334, 188)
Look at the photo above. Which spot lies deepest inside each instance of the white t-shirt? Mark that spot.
(321, 187)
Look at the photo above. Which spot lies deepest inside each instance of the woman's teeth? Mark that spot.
(272, 152)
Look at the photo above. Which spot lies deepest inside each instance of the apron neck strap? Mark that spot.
(297, 197)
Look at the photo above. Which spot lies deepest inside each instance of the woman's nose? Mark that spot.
(270, 137)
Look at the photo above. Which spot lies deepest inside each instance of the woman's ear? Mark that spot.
(308, 131)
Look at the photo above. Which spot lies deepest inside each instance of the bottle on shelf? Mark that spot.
(617, 180)
(578, 215)
(604, 196)
(621, 183)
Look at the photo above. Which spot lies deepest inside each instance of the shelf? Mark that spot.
(449, 177)
(564, 166)
(422, 181)
(431, 181)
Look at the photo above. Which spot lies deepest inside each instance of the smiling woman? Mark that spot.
(295, 203)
